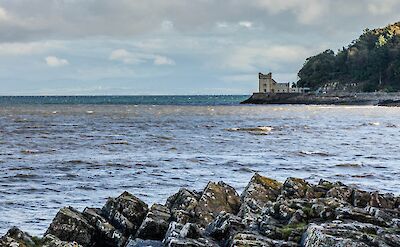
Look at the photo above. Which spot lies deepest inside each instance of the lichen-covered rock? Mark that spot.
(361, 198)
(52, 241)
(343, 193)
(216, 197)
(126, 212)
(225, 226)
(70, 225)
(178, 235)
(155, 224)
(382, 200)
(182, 205)
(351, 234)
(105, 233)
(17, 238)
(143, 243)
(246, 239)
(259, 191)
(295, 188)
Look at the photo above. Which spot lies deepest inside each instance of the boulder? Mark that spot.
(216, 197)
(126, 212)
(155, 224)
(382, 200)
(17, 238)
(343, 193)
(105, 233)
(246, 239)
(295, 188)
(143, 243)
(225, 226)
(256, 195)
(179, 235)
(182, 205)
(361, 198)
(351, 234)
(52, 241)
(70, 225)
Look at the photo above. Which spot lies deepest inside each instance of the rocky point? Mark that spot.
(267, 213)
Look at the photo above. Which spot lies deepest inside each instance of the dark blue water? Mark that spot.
(125, 100)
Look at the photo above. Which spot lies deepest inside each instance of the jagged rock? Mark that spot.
(225, 226)
(295, 188)
(182, 205)
(351, 234)
(178, 235)
(155, 225)
(343, 193)
(216, 197)
(360, 215)
(105, 233)
(126, 212)
(246, 239)
(382, 201)
(259, 191)
(191, 230)
(17, 238)
(70, 225)
(361, 198)
(52, 241)
(143, 243)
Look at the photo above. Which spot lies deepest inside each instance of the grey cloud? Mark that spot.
(68, 19)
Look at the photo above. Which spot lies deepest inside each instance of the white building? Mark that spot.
(268, 85)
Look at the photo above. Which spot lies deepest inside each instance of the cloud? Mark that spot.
(382, 7)
(161, 60)
(54, 61)
(29, 48)
(246, 24)
(138, 58)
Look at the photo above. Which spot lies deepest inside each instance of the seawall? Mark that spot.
(383, 99)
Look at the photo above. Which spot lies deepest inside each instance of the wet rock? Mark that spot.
(352, 234)
(70, 225)
(216, 197)
(256, 195)
(245, 239)
(182, 205)
(105, 233)
(143, 243)
(155, 224)
(191, 230)
(17, 238)
(295, 188)
(225, 226)
(126, 212)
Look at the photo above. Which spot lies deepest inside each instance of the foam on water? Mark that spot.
(74, 158)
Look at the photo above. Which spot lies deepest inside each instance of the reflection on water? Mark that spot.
(78, 155)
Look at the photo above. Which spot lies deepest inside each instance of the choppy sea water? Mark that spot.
(54, 155)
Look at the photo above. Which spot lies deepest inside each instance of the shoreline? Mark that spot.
(267, 213)
(376, 99)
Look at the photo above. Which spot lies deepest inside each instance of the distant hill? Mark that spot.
(370, 63)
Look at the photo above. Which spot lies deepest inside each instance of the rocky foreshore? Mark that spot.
(267, 213)
(339, 98)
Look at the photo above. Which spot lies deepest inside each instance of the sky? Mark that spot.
(153, 47)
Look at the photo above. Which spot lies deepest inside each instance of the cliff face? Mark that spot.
(370, 63)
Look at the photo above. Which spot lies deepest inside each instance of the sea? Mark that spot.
(78, 151)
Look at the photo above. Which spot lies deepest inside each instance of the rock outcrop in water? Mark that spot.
(268, 213)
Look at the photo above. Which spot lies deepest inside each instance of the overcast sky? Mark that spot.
(129, 47)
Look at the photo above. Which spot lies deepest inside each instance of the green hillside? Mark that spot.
(370, 63)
